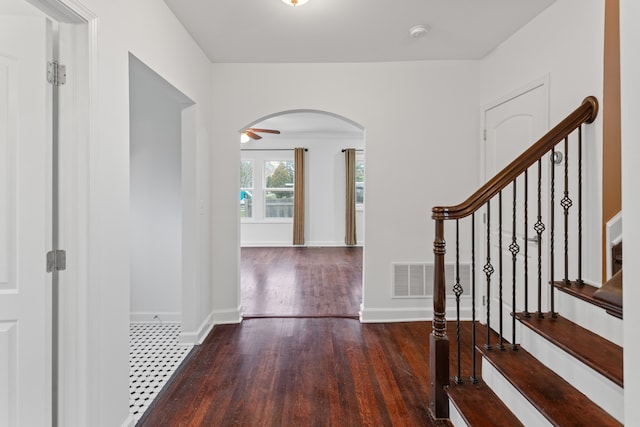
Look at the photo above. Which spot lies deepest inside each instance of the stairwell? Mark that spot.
(564, 365)
(562, 374)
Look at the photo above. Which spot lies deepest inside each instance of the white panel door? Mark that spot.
(512, 127)
(25, 222)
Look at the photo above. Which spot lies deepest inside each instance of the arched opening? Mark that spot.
(267, 171)
(162, 239)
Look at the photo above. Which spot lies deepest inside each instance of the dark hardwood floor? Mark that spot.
(303, 372)
(321, 370)
(310, 282)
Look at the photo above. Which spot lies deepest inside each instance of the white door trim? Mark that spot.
(79, 344)
(480, 231)
(542, 81)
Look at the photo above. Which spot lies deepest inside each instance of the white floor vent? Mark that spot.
(415, 280)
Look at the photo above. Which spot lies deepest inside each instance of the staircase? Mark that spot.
(562, 375)
(544, 359)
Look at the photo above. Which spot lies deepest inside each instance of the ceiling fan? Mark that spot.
(253, 132)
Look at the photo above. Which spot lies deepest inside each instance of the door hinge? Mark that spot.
(56, 260)
(484, 134)
(484, 300)
(56, 73)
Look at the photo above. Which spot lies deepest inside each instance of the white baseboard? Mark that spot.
(227, 317)
(410, 314)
(274, 244)
(129, 422)
(155, 317)
(312, 244)
(216, 317)
(326, 244)
(196, 337)
(334, 244)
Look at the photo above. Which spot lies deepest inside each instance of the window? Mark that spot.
(266, 188)
(278, 192)
(359, 182)
(246, 189)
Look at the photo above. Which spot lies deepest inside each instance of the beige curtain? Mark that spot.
(350, 229)
(298, 197)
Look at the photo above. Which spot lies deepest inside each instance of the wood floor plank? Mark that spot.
(304, 367)
(290, 372)
(301, 281)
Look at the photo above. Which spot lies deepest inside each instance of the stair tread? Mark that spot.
(601, 355)
(555, 398)
(480, 407)
(585, 292)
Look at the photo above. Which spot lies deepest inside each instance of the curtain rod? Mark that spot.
(357, 149)
(269, 149)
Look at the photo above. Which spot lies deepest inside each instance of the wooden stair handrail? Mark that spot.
(585, 113)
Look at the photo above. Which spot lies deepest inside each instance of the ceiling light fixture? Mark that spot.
(295, 2)
(244, 138)
(419, 30)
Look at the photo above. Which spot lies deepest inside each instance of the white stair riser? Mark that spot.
(602, 391)
(589, 317)
(454, 416)
(516, 402)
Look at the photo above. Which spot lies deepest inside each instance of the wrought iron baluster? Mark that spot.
(525, 312)
(566, 203)
(579, 280)
(552, 226)
(514, 248)
(474, 378)
(488, 271)
(501, 337)
(539, 227)
(457, 290)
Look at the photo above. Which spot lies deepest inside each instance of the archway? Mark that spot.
(266, 208)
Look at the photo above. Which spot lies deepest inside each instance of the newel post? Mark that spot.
(438, 340)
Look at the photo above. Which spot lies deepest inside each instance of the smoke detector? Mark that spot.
(418, 31)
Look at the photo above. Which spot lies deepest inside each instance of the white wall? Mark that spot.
(630, 91)
(149, 30)
(155, 112)
(565, 43)
(324, 191)
(420, 121)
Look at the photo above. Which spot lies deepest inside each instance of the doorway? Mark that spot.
(60, 393)
(266, 224)
(512, 125)
(157, 232)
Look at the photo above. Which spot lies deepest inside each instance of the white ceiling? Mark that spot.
(269, 31)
